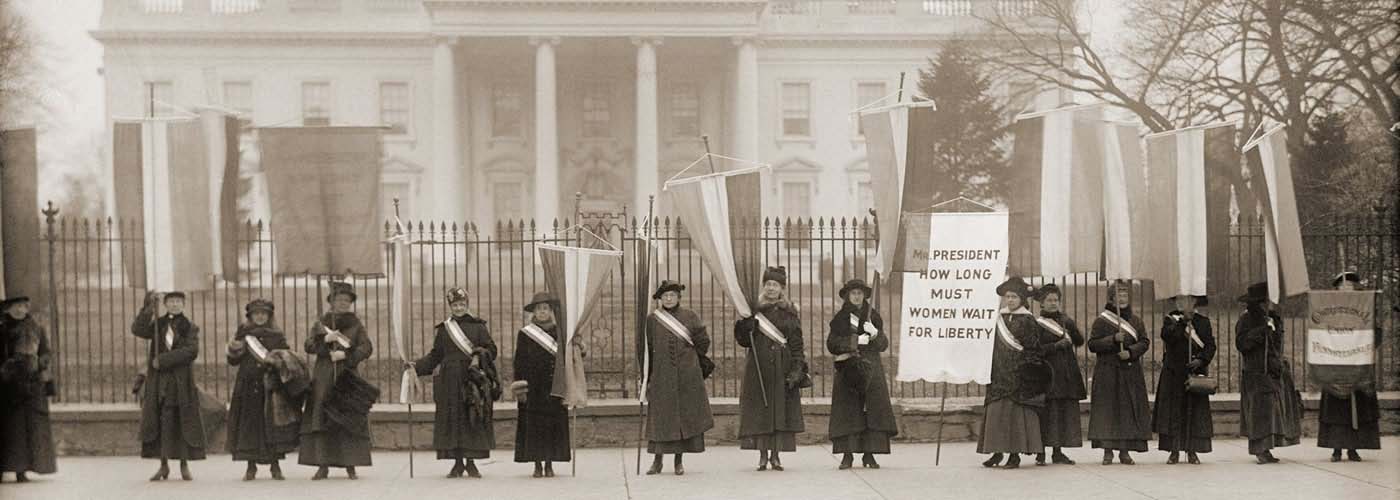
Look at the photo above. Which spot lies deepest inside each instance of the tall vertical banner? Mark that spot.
(900, 174)
(577, 276)
(720, 212)
(1191, 174)
(948, 313)
(398, 308)
(1125, 202)
(19, 216)
(1342, 339)
(1057, 192)
(324, 188)
(1271, 180)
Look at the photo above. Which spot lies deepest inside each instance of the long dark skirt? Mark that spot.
(780, 441)
(874, 442)
(334, 448)
(1182, 443)
(1120, 444)
(1343, 437)
(541, 436)
(1010, 427)
(1262, 445)
(463, 454)
(172, 444)
(1061, 424)
(695, 444)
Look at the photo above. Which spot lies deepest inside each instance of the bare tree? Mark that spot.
(16, 51)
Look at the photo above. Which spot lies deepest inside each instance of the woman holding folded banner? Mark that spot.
(1119, 417)
(260, 399)
(1270, 407)
(1352, 422)
(1180, 416)
(1060, 422)
(775, 371)
(862, 420)
(679, 409)
(542, 422)
(1020, 380)
(465, 387)
(335, 429)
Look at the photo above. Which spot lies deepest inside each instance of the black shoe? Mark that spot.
(846, 461)
(680, 470)
(1265, 458)
(162, 473)
(322, 472)
(185, 471)
(1336, 455)
(994, 461)
(868, 461)
(1108, 457)
(777, 464)
(1060, 458)
(1172, 459)
(1353, 456)
(251, 473)
(472, 471)
(1192, 459)
(549, 469)
(1124, 459)
(350, 473)
(655, 467)
(276, 471)
(539, 470)
(21, 477)
(1040, 459)
(1013, 463)
(456, 471)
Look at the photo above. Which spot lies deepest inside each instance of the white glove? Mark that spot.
(864, 339)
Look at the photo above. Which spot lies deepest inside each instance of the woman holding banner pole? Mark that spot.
(1270, 406)
(1119, 417)
(542, 421)
(465, 387)
(680, 408)
(775, 371)
(1180, 416)
(1350, 421)
(1020, 380)
(862, 420)
(335, 425)
(258, 392)
(1060, 422)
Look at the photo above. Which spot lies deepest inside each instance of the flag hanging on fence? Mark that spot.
(1125, 202)
(1056, 197)
(899, 174)
(19, 216)
(577, 276)
(172, 178)
(324, 184)
(1190, 176)
(711, 206)
(1342, 339)
(1271, 181)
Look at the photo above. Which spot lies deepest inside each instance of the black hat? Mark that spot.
(778, 274)
(9, 301)
(667, 286)
(854, 284)
(1201, 300)
(542, 298)
(341, 288)
(457, 294)
(1115, 285)
(1258, 292)
(1046, 290)
(1346, 276)
(173, 295)
(263, 305)
(1015, 285)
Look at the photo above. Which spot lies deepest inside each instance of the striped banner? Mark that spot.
(1191, 175)
(710, 205)
(577, 276)
(1124, 202)
(398, 309)
(19, 217)
(888, 133)
(1271, 181)
(1057, 192)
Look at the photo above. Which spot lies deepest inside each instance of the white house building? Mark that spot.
(504, 109)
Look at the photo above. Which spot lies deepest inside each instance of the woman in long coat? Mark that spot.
(340, 344)
(1181, 419)
(542, 422)
(1060, 425)
(171, 425)
(678, 413)
(862, 420)
(1349, 423)
(26, 438)
(1020, 380)
(253, 435)
(1119, 417)
(464, 388)
(1270, 407)
(771, 411)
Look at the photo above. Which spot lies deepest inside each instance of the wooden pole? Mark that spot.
(758, 368)
(645, 333)
(398, 231)
(942, 405)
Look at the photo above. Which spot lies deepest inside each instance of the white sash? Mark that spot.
(256, 347)
(674, 325)
(540, 337)
(770, 330)
(169, 336)
(339, 339)
(869, 327)
(1119, 322)
(1052, 325)
(1004, 332)
(459, 337)
(1191, 330)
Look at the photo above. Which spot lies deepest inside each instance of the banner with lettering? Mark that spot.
(948, 311)
(1342, 339)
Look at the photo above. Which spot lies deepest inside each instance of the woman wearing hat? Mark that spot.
(332, 439)
(542, 422)
(1119, 417)
(862, 420)
(775, 371)
(171, 424)
(679, 409)
(465, 387)
(1270, 407)
(253, 435)
(1060, 422)
(1182, 419)
(1020, 379)
(1352, 421)
(26, 439)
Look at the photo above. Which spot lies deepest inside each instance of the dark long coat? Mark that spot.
(173, 382)
(1118, 406)
(252, 436)
(1175, 410)
(324, 442)
(778, 364)
(464, 395)
(1269, 403)
(857, 409)
(678, 407)
(1008, 363)
(1068, 382)
(542, 421)
(26, 437)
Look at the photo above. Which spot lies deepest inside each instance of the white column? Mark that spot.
(546, 134)
(447, 165)
(646, 158)
(746, 99)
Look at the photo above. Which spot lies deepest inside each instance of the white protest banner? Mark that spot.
(948, 313)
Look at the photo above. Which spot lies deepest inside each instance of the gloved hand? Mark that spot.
(1124, 355)
(1194, 364)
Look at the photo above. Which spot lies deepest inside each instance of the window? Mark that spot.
(797, 208)
(506, 109)
(315, 104)
(597, 110)
(394, 107)
(797, 109)
(507, 202)
(948, 7)
(866, 93)
(238, 96)
(685, 110)
(159, 97)
(865, 198)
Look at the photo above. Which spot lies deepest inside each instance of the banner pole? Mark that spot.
(942, 405)
(573, 450)
(645, 332)
(394, 252)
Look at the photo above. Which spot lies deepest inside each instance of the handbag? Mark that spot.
(1201, 384)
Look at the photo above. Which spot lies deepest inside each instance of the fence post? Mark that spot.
(50, 213)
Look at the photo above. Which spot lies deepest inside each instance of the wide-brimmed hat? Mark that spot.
(9, 301)
(667, 286)
(778, 274)
(1258, 292)
(855, 284)
(256, 305)
(1113, 286)
(1046, 290)
(342, 288)
(1345, 276)
(1201, 300)
(1015, 285)
(173, 295)
(456, 294)
(542, 298)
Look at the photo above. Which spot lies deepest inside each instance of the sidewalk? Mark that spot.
(726, 472)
